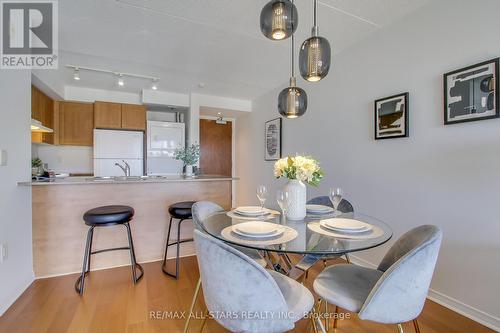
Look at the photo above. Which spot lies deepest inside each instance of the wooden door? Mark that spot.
(216, 148)
(134, 117)
(108, 115)
(76, 123)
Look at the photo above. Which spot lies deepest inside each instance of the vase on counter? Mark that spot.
(189, 171)
(297, 197)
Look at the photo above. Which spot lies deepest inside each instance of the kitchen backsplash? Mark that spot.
(65, 159)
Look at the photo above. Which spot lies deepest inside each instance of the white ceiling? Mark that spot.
(217, 42)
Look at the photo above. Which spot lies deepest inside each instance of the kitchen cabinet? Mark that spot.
(119, 116)
(42, 109)
(107, 115)
(76, 123)
(134, 117)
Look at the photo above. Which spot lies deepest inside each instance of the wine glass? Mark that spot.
(282, 198)
(335, 195)
(262, 195)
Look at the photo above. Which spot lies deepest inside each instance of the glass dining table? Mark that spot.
(308, 237)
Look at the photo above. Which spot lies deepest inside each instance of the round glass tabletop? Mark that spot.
(308, 236)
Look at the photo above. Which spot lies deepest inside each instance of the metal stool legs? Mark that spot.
(178, 243)
(80, 282)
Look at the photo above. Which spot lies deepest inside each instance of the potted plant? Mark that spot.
(36, 165)
(298, 170)
(189, 156)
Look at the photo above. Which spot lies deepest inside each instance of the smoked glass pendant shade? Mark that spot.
(314, 58)
(292, 101)
(278, 19)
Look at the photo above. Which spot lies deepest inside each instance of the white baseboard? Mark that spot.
(109, 267)
(451, 303)
(15, 293)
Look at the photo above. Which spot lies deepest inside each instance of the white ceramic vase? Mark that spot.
(297, 197)
(189, 171)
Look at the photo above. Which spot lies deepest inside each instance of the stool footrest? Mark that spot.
(180, 242)
(110, 249)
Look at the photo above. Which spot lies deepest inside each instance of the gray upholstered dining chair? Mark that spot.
(393, 293)
(344, 205)
(200, 211)
(234, 283)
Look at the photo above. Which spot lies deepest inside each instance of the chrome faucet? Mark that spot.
(125, 169)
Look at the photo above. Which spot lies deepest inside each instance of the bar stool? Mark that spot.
(106, 216)
(180, 211)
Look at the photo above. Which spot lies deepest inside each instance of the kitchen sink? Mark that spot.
(124, 178)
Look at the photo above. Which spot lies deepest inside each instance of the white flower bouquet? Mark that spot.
(302, 168)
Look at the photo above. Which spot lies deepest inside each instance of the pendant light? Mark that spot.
(292, 101)
(315, 54)
(279, 19)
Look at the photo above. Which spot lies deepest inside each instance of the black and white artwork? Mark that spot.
(391, 117)
(471, 93)
(273, 140)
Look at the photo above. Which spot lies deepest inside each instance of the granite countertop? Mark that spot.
(124, 180)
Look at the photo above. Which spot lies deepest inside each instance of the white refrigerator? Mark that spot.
(112, 147)
(163, 138)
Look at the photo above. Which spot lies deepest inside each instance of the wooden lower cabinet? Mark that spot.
(133, 117)
(76, 123)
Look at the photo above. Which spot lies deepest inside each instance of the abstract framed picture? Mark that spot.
(391, 117)
(471, 93)
(273, 140)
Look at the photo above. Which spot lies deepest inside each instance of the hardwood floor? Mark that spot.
(113, 304)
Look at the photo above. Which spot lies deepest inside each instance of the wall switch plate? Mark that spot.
(3, 157)
(3, 252)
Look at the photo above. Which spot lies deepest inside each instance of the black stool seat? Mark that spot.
(108, 215)
(181, 210)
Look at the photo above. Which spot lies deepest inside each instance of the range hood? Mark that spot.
(36, 126)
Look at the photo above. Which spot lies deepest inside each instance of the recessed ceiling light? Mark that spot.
(76, 74)
(121, 82)
(201, 85)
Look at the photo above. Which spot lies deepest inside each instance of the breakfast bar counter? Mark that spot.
(59, 231)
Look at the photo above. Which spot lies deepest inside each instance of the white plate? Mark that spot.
(250, 210)
(256, 228)
(319, 209)
(346, 225)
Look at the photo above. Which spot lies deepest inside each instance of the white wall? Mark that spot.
(16, 273)
(444, 175)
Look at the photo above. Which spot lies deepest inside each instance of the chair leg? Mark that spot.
(335, 317)
(400, 328)
(193, 302)
(80, 282)
(347, 258)
(204, 322)
(415, 324)
(133, 260)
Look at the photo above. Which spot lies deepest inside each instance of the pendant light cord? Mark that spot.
(293, 42)
(315, 8)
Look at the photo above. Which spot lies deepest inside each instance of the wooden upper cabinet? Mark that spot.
(134, 117)
(42, 109)
(76, 123)
(107, 115)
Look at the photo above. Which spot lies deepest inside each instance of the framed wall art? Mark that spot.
(391, 117)
(273, 140)
(471, 93)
